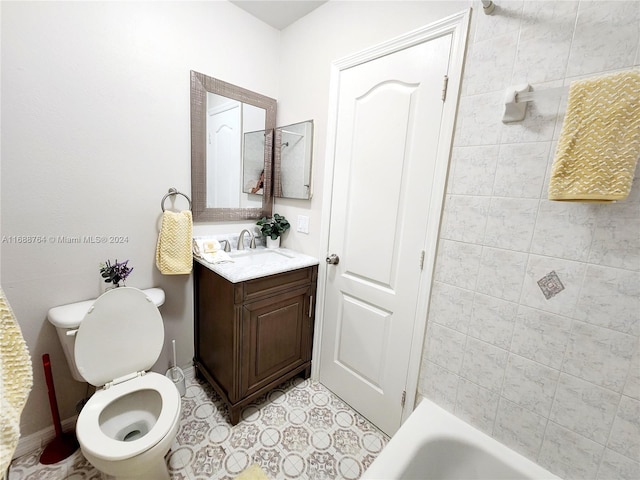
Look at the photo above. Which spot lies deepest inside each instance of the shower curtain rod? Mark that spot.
(488, 6)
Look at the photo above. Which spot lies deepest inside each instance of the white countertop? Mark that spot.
(259, 262)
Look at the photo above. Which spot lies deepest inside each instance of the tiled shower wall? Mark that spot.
(556, 379)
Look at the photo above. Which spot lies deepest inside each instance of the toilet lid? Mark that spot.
(122, 333)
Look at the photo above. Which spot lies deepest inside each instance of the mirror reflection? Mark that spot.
(227, 152)
(253, 164)
(294, 151)
(231, 147)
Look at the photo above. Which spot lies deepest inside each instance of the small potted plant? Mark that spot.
(115, 273)
(273, 228)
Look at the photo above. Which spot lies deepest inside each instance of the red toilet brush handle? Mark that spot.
(52, 394)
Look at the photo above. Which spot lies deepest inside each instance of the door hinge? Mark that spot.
(422, 260)
(444, 87)
(404, 398)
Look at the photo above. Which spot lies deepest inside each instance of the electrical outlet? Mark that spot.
(303, 224)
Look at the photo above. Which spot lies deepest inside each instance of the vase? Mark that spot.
(111, 286)
(273, 243)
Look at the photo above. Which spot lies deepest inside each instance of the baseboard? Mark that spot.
(41, 438)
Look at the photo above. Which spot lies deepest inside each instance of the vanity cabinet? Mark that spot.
(252, 335)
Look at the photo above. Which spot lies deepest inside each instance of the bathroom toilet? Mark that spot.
(128, 425)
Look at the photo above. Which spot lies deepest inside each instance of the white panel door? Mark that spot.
(388, 124)
(224, 132)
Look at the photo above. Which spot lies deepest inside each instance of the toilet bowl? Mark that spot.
(129, 424)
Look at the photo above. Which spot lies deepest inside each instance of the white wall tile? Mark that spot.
(564, 230)
(445, 347)
(465, 218)
(510, 223)
(617, 466)
(584, 408)
(571, 275)
(451, 306)
(632, 387)
(439, 385)
(590, 329)
(625, 434)
(599, 355)
(545, 41)
(506, 18)
(521, 429)
(492, 320)
(473, 169)
(530, 384)
(489, 64)
(569, 455)
(541, 336)
(479, 120)
(477, 405)
(615, 242)
(484, 364)
(521, 169)
(457, 263)
(501, 273)
(610, 298)
(619, 23)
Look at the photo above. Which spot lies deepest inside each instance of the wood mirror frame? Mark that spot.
(200, 85)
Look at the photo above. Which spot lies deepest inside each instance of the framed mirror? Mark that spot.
(231, 151)
(292, 160)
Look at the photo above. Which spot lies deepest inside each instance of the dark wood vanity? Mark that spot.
(252, 335)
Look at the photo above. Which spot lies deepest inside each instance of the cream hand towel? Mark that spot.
(173, 251)
(600, 140)
(210, 250)
(205, 245)
(16, 380)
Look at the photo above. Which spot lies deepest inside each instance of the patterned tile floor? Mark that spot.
(298, 430)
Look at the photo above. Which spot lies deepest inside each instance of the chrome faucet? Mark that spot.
(227, 246)
(252, 244)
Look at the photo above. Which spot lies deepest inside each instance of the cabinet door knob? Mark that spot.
(333, 259)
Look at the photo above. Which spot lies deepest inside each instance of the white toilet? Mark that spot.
(129, 424)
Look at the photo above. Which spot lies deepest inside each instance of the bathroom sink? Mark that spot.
(258, 257)
(259, 262)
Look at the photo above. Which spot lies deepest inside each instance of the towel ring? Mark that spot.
(173, 191)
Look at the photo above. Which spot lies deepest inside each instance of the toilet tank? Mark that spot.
(67, 319)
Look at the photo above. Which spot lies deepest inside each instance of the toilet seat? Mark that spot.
(121, 335)
(89, 431)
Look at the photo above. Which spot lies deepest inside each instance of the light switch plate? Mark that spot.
(303, 224)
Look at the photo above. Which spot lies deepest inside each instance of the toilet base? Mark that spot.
(150, 465)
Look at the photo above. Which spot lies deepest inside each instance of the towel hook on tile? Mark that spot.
(172, 192)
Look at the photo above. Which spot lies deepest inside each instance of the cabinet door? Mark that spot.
(275, 335)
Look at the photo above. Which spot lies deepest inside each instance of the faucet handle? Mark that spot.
(253, 241)
(227, 246)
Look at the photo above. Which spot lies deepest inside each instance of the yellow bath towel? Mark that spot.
(16, 379)
(600, 140)
(173, 252)
(254, 472)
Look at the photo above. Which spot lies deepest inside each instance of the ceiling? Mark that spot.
(278, 13)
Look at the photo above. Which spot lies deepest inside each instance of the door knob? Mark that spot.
(333, 259)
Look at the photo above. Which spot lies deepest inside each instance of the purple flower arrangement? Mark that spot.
(115, 272)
